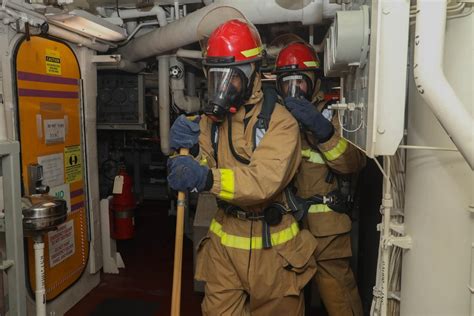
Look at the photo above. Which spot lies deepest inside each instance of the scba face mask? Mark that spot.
(227, 90)
(296, 85)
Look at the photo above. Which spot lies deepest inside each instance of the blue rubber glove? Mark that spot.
(184, 133)
(186, 174)
(311, 119)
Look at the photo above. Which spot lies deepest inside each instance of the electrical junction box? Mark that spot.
(367, 46)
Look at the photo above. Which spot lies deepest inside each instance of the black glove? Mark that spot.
(311, 119)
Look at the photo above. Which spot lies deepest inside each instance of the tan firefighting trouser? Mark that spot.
(334, 277)
(242, 278)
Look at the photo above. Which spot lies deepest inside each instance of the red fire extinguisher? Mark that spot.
(122, 209)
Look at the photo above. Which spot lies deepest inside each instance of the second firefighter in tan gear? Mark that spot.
(242, 275)
(325, 155)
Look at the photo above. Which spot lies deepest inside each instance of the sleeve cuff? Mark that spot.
(209, 181)
(329, 143)
(223, 184)
(216, 181)
(334, 148)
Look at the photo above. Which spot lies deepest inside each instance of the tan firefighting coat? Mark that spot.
(335, 155)
(334, 278)
(241, 277)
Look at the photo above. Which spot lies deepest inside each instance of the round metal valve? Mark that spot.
(42, 213)
(176, 72)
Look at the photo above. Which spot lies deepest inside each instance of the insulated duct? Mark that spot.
(278, 11)
(200, 23)
(164, 102)
(431, 82)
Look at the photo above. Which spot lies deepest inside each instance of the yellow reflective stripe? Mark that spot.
(251, 52)
(245, 243)
(203, 162)
(313, 156)
(319, 208)
(311, 63)
(337, 151)
(227, 184)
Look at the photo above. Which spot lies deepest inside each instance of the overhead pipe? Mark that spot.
(136, 29)
(188, 103)
(274, 50)
(185, 31)
(187, 53)
(191, 83)
(323, 9)
(330, 9)
(431, 82)
(3, 122)
(124, 65)
(164, 102)
(156, 10)
(273, 11)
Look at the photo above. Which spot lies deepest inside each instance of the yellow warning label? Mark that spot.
(72, 164)
(53, 62)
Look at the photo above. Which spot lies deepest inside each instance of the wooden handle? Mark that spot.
(178, 250)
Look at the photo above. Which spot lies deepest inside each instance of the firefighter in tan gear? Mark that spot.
(325, 156)
(255, 260)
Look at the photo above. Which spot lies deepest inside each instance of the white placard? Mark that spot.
(61, 243)
(118, 185)
(53, 169)
(62, 192)
(54, 131)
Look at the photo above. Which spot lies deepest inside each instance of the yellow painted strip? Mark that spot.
(319, 208)
(227, 184)
(245, 243)
(252, 52)
(337, 151)
(313, 156)
(311, 63)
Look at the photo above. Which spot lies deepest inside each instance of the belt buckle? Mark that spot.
(241, 215)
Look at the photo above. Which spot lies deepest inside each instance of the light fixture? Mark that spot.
(83, 22)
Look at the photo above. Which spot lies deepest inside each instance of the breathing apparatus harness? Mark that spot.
(340, 199)
(272, 214)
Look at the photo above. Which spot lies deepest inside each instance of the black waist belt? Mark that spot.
(272, 215)
(239, 213)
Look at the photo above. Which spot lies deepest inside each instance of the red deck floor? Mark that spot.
(149, 267)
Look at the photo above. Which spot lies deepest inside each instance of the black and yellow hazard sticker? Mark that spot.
(72, 164)
(53, 62)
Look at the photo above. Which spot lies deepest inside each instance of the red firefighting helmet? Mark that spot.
(297, 57)
(296, 67)
(233, 42)
(232, 53)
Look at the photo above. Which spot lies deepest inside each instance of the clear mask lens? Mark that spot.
(296, 85)
(226, 87)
